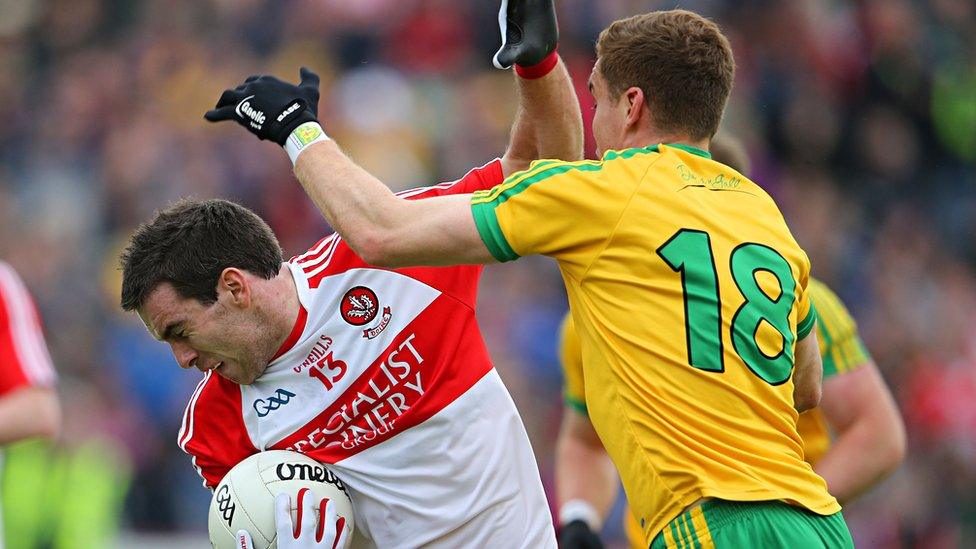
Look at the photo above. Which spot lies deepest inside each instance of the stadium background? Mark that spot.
(860, 117)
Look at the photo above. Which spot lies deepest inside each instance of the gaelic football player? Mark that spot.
(869, 435)
(381, 373)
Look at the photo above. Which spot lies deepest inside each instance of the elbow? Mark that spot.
(895, 445)
(375, 248)
(45, 419)
(807, 398)
(49, 418)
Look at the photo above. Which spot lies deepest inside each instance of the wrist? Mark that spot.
(303, 137)
(579, 509)
(540, 69)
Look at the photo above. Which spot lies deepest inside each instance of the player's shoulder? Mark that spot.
(578, 178)
(476, 179)
(213, 396)
(10, 281)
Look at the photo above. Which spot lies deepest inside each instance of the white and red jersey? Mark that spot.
(386, 377)
(24, 359)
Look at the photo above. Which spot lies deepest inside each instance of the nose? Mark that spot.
(185, 355)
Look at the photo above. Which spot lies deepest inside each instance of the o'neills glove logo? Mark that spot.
(245, 110)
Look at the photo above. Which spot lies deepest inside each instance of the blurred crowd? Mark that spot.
(859, 117)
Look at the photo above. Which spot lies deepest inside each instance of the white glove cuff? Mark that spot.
(302, 137)
(578, 509)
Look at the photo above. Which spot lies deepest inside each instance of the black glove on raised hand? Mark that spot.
(268, 107)
(577, 535)
(529, 32)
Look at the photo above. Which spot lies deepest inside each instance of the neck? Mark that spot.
(282, 297)
(649, 138)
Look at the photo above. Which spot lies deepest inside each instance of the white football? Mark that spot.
(244, 499)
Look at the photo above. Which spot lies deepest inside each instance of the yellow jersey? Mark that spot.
(840, 346)
(689, 293)
(842, 351)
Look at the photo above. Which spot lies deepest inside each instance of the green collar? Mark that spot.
(654, 148)
(687, 148)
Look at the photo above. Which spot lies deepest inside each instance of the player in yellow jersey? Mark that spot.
(856, 406)
(688, 290)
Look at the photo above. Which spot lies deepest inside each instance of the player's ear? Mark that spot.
(635, 105)
(233, 283)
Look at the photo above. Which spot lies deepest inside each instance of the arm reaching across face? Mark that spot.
(386, 230)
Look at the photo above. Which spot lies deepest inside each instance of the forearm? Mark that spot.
(27, 413)
(870, 440)
(548, 123)
(808, 374)
(385, 230)
(858, 459)
(584, 472)
(355, 203)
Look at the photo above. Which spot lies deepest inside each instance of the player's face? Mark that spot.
(223, 336)
(610, 116)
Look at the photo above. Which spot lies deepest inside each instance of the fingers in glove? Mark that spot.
(342, 533)
(229, 97)
(309, 78)
(283, 525)
(306, 515)
(223, 113)
(244, 540)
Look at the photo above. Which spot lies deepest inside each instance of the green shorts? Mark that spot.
(733, 524)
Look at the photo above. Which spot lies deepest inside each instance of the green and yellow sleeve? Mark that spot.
(841, 347)
(555, 208)
(571, 359)
(806, 313)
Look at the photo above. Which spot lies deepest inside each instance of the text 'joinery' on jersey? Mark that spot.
(689, 293)
(387, 378)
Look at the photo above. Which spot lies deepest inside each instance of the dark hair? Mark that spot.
(679, 59)
(190, 243)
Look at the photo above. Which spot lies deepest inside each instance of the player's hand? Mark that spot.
(270, 108)
(577, 535)
(529, 32)
(321, 530)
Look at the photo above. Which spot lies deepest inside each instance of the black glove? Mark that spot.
(268, 107)
(577, 535)
(529, 32)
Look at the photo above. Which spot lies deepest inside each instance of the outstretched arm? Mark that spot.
(381, 228)
(387, 231)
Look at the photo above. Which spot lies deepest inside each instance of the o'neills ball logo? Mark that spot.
(359, 306)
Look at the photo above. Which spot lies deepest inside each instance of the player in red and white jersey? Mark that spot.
(381, 373)
(29, 405)
(28, 402)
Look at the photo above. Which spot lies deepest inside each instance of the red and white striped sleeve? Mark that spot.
(24, 358)
(477, 179)
(213, 431)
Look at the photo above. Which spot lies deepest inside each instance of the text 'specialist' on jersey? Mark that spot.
(689, 293)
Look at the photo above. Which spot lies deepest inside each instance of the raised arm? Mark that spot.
(387, 231)
(380, 227)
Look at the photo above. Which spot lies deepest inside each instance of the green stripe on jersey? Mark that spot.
(577, 405)
(805, 325)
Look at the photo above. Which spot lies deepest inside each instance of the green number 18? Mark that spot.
(690, 252)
